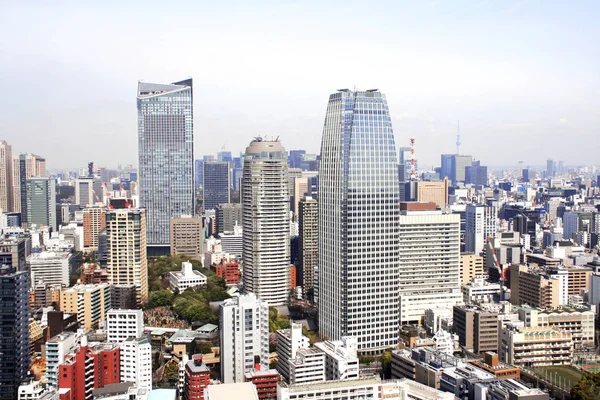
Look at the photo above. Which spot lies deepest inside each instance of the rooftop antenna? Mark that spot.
(458, 138)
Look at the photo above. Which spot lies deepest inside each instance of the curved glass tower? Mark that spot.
(266, 222)
(358, 222)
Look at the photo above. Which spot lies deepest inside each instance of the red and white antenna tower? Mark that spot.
(412, 159)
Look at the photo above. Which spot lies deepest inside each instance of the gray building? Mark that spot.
(215, 183)
(309, 243)
(14, 253)
(166, 157)
(228, 215)
(41, 202)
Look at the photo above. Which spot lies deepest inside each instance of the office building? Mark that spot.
(89, 302)
(57, 348)
(124, 324)
(341, 358)
(187, 237)
(84, 192)
(530, 286)
(453, 166)
(436, 192)
(535, 347)
(481, 222)
(550, 170)
(94, 222)
(216, 183)
(186, 278)
(358, 222)
(127, 262)
(479, 290)
(6, 177)
(297, 362)
(14, 330)
(14, 252)
(308, 243)
(49, 267)
(244, 339)
(265, 215)
(429, 266)
(28, 166)
(228, 216)
(166, 157)
(233, 243)
(476, 327)
(41, 202)
(470, 267)
(476, 174)
(136, 362)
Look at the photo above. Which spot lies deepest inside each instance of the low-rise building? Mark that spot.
(186, 278)
(479, 290)
(341, 358)
(196, 378)
(535, 347)
(477, 327)
(265, 382)
(35, 390)
(89, 302)
(471, 266)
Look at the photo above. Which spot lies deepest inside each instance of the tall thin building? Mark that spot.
(358, 222)
(30, 165)
(166, 157)
(14, 329)
(16, 184)
(481, 221)
(309, 243)
(265, 216)
(41, 202)
(6, 178)
(94, 222)
(127, 263)
(216, 183)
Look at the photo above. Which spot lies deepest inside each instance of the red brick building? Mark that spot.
(228, 270)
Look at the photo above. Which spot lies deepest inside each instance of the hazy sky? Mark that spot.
(521, 76)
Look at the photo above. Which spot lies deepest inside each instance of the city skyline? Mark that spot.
(511, 72)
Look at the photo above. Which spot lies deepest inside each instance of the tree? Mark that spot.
(386, 364)
(161, 298)
(171, 375)
(587, 388)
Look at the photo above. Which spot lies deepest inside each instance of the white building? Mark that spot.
(289, 341)
(444, 342)
(435, 318)
(429, 261)
(124, 324)
(481, 291)
(228, 391)
(244, 326)
(307, 366)
(50, 268)
(84, 192)
(56, 350)
(186, 278)
(34, 390)
(232, 242)
(481, 221)
(136, 362)
(341, 358)
(535, 347)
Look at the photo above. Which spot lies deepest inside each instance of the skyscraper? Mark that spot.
(215, 183)
(6, 178)
(127, 263)
(41, 202)
(309, 243)
(265, 222)
(30, 166)
(481, 221)
(358, 222)
(166, 154)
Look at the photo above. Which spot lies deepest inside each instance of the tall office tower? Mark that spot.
(14, 330)
(481, 222)
(198, 173)
(244, 336)
(30, 166)
(358, 222)
(136, 362)
(166, 157)
(550, 168)
(429, 261)
(224, 156)
(16, 184)
(94, 222)
(404, 164)
(525, 175)
(6, 177)
(187, 237)
(228, 215)
(84, 191)
(266, 222)
(127, 263)
(309, 243)
(476, 174)
(41, 202)
(215, 183)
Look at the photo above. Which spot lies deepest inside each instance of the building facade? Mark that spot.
(124, 324)
(187, 237)
(309, 243)
(41, 202)
(481, 221)
(6, 178)
(136, 362)
(94, 222)
(358, 221)
(216, 183)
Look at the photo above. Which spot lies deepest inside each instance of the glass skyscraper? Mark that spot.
(215, 183)
(166, 157)
(358, 222)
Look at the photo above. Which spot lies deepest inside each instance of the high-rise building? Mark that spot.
(6, 177)
(309, 243)
(14, 330)
(14, 252)
(41, 202)
(166, 157)
(89, 302)
(216, 183)
(436, 192)
(470, 267)
(187, 236)
(550, 168)
(94, 222)
(228, 215)
(127, 263)
(476, 174)
(265, 216)
(30, 166)
(244, 336)
(358, 221)
(429, 267)
(49, 267)
(84, 192)
(16, 184)
(196, 378)
(476, 327)
(124, 324)
(136, 362)
(481, 221)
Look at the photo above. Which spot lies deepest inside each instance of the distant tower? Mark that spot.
(458, 138)
(412, 159)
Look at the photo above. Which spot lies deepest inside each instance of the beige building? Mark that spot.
(535, 347)
(471, 266)
(127, 263)
(186, 237)
(94, 222)
(308, 235)
(530, 286)
(578, 279)
(89, 302)
(35, 166)
(300, 190)
(476, 327)
(436, 192)
(16, 185)
(6, 180)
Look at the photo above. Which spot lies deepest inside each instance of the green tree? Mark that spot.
(386, 364)
(161, 298)
(171, 375)
(205, 347)
(587, 388)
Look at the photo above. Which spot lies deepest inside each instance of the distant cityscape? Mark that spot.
(352, 273)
